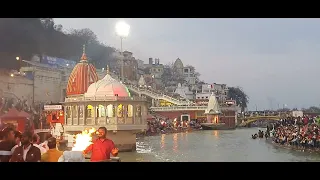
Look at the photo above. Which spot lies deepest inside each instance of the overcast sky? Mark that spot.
(275, 61)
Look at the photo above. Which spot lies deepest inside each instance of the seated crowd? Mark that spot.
(301, 132)
(26, 147)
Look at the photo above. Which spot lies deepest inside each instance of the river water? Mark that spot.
(212, 146)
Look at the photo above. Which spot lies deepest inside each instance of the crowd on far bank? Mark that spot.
(163, 126)
(300, 132)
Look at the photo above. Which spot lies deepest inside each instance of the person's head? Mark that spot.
(8, 134)
(52, 143)
(26, 138)
(102, 132)
(17, 137)
(35, 139)
(48, 136)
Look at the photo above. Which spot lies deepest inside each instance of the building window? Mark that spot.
(130, 111)
(110, 110)
(75, 111)
(120, 110)
(90, 111)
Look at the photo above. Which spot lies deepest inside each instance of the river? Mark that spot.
(212, 146)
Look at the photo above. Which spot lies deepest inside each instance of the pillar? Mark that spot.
(93, 120)
(115, 106)
(84, 109)
(71, 116)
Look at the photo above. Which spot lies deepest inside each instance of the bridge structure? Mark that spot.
(248, 120)
(158, 96)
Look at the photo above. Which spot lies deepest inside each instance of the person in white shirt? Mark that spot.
(36, 142)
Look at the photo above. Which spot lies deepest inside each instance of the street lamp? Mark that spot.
(122, 30)
(18, 59)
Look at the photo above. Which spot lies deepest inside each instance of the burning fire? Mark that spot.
(83, 140)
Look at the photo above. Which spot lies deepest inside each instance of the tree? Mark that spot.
(25, 37)
(86, 35)
(313, 109)
(241, 98)
(171, 76)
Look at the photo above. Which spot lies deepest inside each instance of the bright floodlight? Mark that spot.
(122, 29)
(17, 58)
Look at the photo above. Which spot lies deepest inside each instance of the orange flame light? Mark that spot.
(83, 140)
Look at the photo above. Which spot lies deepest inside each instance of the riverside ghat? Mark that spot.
(92, 103)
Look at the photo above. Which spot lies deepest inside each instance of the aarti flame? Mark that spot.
(83, 140)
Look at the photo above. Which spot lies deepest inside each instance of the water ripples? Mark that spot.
(211, 146)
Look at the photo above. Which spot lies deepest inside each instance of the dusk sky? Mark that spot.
(275, 61)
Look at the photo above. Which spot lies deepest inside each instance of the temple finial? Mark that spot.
(84, 56)
(107, 69)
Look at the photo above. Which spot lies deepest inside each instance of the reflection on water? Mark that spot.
(163, 137)
(175, 142)
(215, 133)
(211, 146)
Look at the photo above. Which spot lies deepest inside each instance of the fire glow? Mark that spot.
(83, 140)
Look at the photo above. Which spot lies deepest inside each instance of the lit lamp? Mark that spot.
(122, 30)
(18, 59)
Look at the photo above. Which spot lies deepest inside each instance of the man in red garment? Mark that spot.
(101, 147)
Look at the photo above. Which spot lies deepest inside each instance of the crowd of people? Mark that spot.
(301, 132)
(26, 147)
(163, 126)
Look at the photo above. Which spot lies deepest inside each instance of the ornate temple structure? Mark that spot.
(82, 75)
(92, 103)
(215, 118)
(213, 110)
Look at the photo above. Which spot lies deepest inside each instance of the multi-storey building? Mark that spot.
(41, 80)
(130, 66)
(220, 90)
(189, 75)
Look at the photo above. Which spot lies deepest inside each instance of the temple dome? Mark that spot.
(108, 87)
(82, 75)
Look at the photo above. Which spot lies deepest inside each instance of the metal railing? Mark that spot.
(103, 98)
(178, 108)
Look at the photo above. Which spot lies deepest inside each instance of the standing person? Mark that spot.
(26, 152)
(101, 147)
(53, 154)
(45, 143)
(17, 138)
(36, 142)
(7, 144)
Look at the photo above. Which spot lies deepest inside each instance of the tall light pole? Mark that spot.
(18, 59)
(122, 30)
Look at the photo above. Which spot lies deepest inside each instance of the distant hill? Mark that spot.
(24, 37)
